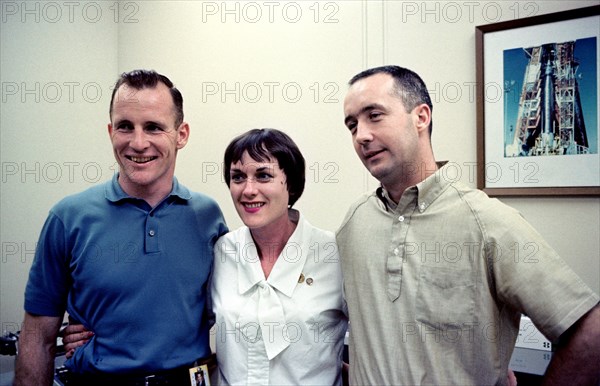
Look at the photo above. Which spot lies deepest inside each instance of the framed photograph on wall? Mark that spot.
(537, 105)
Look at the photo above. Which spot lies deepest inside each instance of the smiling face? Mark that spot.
(145, 140)
(259, 192)
(385, 136)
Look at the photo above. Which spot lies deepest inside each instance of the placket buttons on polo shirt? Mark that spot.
(397, 250)
(151, 239)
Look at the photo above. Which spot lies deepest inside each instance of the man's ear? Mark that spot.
(183, 134)
(422, 117)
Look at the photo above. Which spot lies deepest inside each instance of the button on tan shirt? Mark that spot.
(436, 284)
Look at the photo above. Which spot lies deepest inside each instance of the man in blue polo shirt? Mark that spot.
(129, 259)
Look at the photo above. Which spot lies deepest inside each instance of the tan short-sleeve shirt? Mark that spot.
(435, 285)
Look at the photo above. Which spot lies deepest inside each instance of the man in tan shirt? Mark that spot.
(437, 274)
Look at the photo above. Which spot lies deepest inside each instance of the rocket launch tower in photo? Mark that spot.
(550, 120)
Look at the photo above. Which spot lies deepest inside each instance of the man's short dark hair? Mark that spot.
(409, 86)
(140, 79)
(263, 144)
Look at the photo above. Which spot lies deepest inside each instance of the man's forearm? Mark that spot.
(576, 362)
(34, 367)
(37, 346)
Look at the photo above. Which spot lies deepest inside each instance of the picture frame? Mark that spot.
(537, 80)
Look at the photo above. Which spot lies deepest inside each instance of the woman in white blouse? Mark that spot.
(277, 282)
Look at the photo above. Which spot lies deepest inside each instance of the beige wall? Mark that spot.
(56, 67)
(239, 65)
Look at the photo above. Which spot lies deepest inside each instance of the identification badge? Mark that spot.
(199, 376)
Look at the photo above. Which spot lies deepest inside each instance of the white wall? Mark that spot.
(57, 65)
(54, 145)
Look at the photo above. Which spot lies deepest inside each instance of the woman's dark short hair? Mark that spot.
(140, 79)
(265, 144)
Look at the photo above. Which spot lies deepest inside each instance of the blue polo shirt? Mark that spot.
(137, 276)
